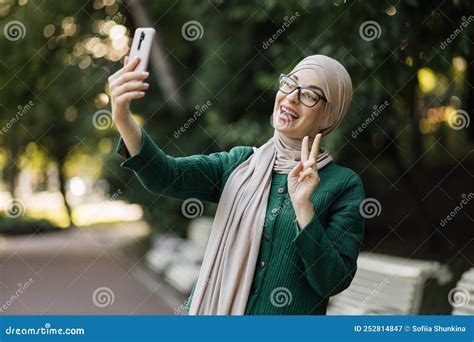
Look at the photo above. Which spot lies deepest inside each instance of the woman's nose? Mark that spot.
(293, 97)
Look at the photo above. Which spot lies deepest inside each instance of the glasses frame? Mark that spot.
(299, 88)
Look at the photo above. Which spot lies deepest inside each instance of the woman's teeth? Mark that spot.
(288, 112)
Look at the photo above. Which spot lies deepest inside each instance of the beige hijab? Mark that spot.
(226, 274)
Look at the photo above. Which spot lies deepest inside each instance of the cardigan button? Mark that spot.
(266, 237)
(262, 263)
(281, 190)
(254, 290)
(274, 210)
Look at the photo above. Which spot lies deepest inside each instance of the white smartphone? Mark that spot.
(141, 46)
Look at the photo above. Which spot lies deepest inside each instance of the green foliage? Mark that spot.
(16, 226)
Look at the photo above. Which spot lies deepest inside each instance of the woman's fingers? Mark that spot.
(127, 84)
(304, 149)
(130, 86)
(130, 76)
(127, 67)
(296, 170)
(132, 65)
(315, 148)
(301, 170)
(305, 173)
(302, 166)
(309, 163)
(127, 97)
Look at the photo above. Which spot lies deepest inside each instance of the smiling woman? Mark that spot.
(287, 229)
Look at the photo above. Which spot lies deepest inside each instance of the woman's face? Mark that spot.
(305, 120)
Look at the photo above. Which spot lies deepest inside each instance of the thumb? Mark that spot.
(296, 170)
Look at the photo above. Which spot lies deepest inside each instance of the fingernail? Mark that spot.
(141, 93)
(146, 85)
(146, 73)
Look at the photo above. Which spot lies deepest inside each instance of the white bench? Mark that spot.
(387, 285)
(462, 296)
(179, 260)
(162, 253)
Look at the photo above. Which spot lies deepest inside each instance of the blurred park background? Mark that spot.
(65, 200)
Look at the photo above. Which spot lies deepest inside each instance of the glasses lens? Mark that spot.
(309, 97)
(287, 84)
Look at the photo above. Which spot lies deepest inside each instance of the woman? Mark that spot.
(287, 230)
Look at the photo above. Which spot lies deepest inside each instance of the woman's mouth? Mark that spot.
(286, 115)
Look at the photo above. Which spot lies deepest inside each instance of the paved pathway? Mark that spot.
(82, 271)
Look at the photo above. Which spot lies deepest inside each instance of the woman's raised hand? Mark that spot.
(304, 179)
(126, 85)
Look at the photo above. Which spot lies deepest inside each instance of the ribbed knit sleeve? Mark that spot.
(329, 253)
(200, 176)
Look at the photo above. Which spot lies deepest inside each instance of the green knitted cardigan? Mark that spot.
(297, 269)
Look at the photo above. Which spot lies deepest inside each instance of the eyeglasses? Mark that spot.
(306, 96)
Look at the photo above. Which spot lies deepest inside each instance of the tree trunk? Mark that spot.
(11, 172)
(62, 189)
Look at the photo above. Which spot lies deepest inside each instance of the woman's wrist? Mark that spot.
(131, 134)
(122, 119)
(304, 214)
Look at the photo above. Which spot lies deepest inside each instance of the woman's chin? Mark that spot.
(285, 126)
(287, 132)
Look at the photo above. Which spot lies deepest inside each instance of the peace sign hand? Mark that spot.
(304, 179)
